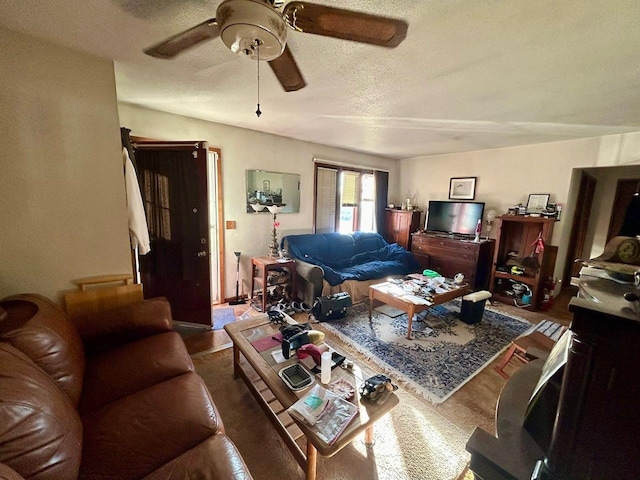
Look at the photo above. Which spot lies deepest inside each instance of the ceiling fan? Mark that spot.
(257, 29)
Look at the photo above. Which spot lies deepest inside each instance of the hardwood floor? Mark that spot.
(560, 309)
(204, 341)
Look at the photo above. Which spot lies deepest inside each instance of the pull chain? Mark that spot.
(258, 112)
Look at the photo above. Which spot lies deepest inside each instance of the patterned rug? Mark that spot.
(440, 358)
(222, 316)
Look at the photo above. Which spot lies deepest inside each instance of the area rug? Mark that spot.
(412, 442)
(440, 358)
(222, 316)
(389, 311)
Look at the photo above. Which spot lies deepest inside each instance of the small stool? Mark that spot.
(529, 347)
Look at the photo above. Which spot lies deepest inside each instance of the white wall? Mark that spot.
(62, 207)
(244, 149)
(603, 198)
(507, 176)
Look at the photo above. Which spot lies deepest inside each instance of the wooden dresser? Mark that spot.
(399, 225)
(449, 256)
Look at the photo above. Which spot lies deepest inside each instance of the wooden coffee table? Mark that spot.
(261, 377)
(379, 292)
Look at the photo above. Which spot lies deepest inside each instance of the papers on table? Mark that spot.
(415, 299)
(406, 294)
(278, 356)
(325, 412)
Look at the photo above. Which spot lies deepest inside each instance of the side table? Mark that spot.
(263, 265)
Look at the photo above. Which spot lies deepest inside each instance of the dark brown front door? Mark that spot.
(173, 183)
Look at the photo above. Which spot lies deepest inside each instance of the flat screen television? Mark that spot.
(454, 217)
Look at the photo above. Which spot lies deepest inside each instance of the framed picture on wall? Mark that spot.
(462, 188)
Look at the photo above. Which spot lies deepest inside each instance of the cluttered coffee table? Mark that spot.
(415, 294)
(256, 340)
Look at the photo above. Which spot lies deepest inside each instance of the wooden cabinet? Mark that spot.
(590, 424)
(514, 248)
(398, 226)
(596, 426)
(285, 276)
(449, 256)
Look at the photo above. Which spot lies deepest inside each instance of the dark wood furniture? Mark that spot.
(516, 234)
(398, 226)
(448, 256)
(260, 267)
(592, 425)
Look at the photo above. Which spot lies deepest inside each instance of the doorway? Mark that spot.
(626, 191)
(579, 227)
(174, 183)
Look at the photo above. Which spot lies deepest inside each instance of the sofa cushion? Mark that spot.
(39, 329)
(40, 430)
(120, 372)
(8, 473)
(197, 463)
(134, 436)
(108, 329)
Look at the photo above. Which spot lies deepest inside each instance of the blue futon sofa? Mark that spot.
(331, 262)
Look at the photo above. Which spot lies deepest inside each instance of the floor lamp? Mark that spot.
(238, 300)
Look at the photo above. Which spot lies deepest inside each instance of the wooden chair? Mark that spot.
(102, 292)
(528, 347)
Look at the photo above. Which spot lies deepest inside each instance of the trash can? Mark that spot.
(473, 306)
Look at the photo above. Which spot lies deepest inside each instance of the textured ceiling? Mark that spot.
(471, 74)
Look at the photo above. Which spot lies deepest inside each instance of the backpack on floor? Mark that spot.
(331, 307)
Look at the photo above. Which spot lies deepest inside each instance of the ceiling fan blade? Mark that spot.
(345, 24)
(182, 41)
(287, 71)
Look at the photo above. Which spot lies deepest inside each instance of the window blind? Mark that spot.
(350, 189)
(326, 190)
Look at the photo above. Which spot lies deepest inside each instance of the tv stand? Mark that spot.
(449, 254)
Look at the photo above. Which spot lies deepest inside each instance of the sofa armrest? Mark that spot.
(310, 278)
(311, 273)
(112, 328)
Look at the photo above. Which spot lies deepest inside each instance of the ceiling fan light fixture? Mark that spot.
(243, 22)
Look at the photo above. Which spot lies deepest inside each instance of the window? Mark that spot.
(345, 199)
(368, 203)
(156, 204)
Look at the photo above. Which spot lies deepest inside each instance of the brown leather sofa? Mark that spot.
(111, 396)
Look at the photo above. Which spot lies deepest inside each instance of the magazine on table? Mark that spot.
(325, 412)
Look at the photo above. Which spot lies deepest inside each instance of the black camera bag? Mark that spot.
(331, 307)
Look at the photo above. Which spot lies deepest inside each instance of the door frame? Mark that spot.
(580, 224)
(221, 296)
